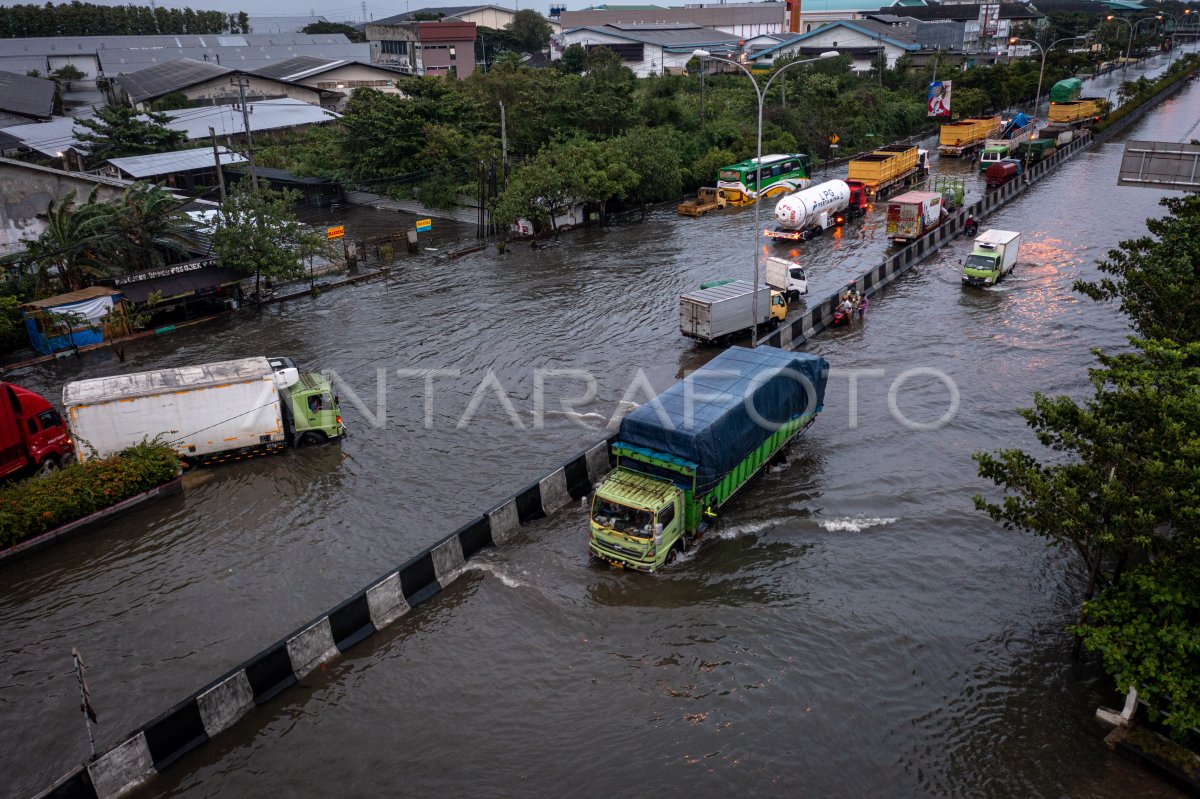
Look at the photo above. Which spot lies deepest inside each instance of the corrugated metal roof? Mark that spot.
(302, 66)
(146, 166)
(89, 293)
(26, 96)
(445, 11)
(57, 135)
(282, 24)
(668, 35)
(162, 79)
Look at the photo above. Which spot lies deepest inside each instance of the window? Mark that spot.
(49, 419)
(452, 52)
(31, 423)
(666, 516)
(393, 47)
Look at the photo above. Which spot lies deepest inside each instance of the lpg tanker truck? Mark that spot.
(811, 211)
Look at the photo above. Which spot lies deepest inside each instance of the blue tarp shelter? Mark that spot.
(68, 320)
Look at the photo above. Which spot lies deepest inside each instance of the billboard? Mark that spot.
(939, 98)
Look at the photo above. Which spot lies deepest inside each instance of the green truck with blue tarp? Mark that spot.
(681, 456)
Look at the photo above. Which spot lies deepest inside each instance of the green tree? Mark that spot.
(349, 31)
(67, 253)
(256, 233)
(67, 74)
(653, 156)
(118, 131)
(530, 30)
(1156, 278)
(574, 59)
(147, 229)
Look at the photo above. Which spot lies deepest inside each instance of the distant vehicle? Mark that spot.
(963, 138)
(1037, 149)
(994, 256)
(781, 174)
(914, 214)
(217, 411)
(786, 276)
(682, 457)
(888, 169)
(1078, 113)
(718, 313)
(33, 437)
(1017, 130)
(810, 212)
(1002, 172)
(1066, 90)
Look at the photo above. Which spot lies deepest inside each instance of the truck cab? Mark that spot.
(313, 411)
(994, 255)
(779, 306)
(992, 154)
(32, 434)
(637, 521)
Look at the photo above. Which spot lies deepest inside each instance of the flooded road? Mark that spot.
(853, 628)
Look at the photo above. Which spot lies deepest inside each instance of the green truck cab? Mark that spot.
(311, 411)
(684, 454)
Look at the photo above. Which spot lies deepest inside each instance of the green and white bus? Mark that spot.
(781, 174)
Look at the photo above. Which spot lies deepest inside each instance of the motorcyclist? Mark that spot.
(972, 227)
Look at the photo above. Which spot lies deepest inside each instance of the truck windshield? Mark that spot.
(797, 273)
(622, 518)
(984, 262)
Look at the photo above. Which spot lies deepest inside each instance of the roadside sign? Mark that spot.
(424, 225)
(834, 139)
(335, 232)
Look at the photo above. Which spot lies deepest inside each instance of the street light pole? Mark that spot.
(1174, 34)
(760, 93)
(1037, 99)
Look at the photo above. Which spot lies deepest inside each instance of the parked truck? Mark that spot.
(887, 169)
(1037, 150)
(994, 256)
(682, 456)
(786, 276)
(963, 138)
(913, 214)
(1002, 172)
(217, 411)
(721, 311)
(812, 211)
(1016, 130)
(1077, 113)
(33, 437)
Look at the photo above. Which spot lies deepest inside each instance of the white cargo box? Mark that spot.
(199, 410)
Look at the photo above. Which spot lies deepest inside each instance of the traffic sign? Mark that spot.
(424, 225)
(834, 139)
(335, 232)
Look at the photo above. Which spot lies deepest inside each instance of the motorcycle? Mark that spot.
(971, 228)
(840, 317)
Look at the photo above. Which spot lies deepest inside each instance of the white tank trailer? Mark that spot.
(806, 207)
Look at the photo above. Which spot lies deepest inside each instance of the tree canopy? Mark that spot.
(91, 19)
(256, 232)
(349, 31)
(118, 131)
(1121, 486)
(530, 30)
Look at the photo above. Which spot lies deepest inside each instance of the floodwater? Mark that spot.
(853, 627)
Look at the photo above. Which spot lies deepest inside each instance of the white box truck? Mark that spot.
(216, 411)
(718, 312)
(994, 256)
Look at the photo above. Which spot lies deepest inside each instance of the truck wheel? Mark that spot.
(48, 466)
(311, 438)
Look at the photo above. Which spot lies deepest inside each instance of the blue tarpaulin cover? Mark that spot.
(1015, 125)
(719, 414)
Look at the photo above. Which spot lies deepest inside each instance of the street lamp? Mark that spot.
(1175, 19)
(1132, 29)
(761, 93)
(1037, 100)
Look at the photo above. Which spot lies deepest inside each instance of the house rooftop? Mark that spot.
(26, 96)
(162, 79)
(147, 166)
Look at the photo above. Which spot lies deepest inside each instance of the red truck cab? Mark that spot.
(32, 434)
(859, 199)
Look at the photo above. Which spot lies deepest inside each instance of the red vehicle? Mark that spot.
(33, 437)
(1002, 172)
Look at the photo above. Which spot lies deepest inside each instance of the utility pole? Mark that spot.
(246, 124)
(217, 159)
(504, 145)
(703, 69)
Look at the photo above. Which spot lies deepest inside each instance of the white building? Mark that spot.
(862, 40)
(649, 49)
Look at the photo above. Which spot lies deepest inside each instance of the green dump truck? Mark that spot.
(683, 455)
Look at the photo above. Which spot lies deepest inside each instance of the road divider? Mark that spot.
(223, 702)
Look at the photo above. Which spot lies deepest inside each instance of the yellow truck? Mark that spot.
(962, 138)
(1078, 113)
(887, 168)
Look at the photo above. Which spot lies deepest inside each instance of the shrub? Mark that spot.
(34, 506)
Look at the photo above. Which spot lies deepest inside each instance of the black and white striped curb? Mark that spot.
(223, 702)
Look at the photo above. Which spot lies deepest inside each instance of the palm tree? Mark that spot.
(148, 230)
(68, 251)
